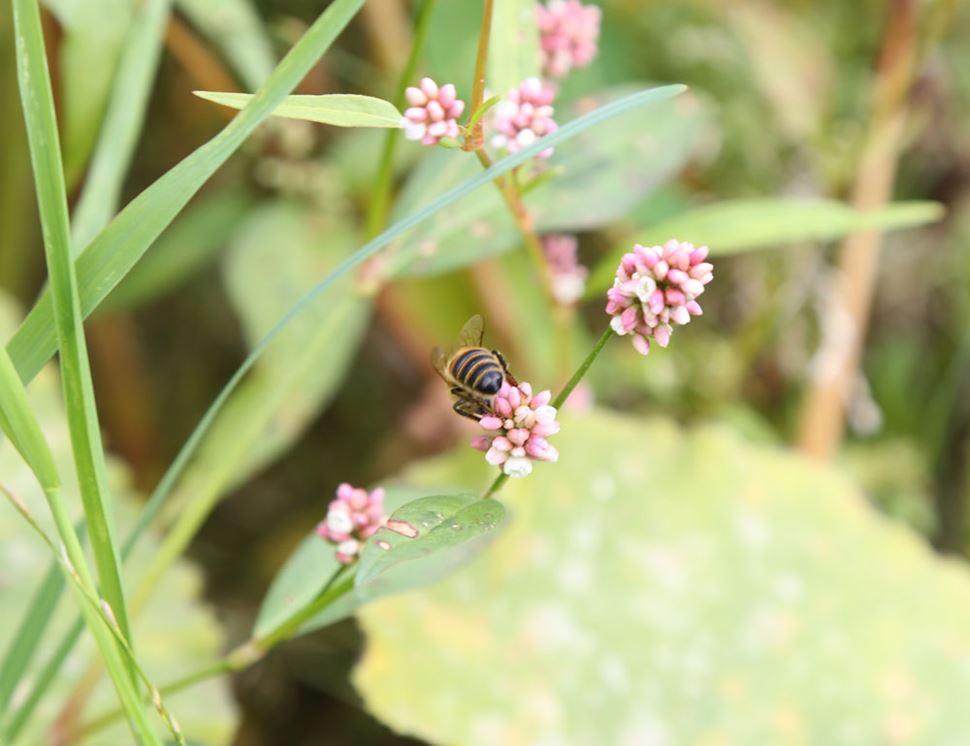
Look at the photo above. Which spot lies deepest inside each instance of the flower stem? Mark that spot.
(476, 138)
(562, 396)
(377, 211)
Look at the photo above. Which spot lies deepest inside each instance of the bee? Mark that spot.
(474, 373)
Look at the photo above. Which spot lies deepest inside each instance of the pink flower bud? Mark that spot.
(433, 112)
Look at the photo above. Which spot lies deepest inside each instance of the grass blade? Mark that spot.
(122, 243)
(185, 454)
(122, 123)
(44, 144)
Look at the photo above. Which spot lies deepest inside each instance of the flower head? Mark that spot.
(351, 519)
(568, 32)
(517, 430)
(568, 275)
(433, 112)
(657, 287)
(524, 116)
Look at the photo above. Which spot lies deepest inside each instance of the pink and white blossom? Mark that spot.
(568, 275)
(517, 429)
(569, 32)
(656, 288)
(432, 113)
(351, 518)
(525, 116)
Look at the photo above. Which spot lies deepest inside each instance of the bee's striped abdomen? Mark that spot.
(478, 369)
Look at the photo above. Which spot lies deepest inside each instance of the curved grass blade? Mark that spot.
(118, 247)
(571, 129)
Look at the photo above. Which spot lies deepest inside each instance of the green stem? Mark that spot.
(377, 211)
(562, 396)
(476, 137)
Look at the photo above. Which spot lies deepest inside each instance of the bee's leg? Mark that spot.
(505, 367)
(466, 408)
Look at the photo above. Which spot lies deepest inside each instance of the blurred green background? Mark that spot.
(702, 576)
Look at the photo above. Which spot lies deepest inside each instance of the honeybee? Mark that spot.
(474, 373)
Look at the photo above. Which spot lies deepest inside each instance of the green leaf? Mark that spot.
(451, 530)
(304, 576)
(337, 109)
(596, 182)
(661, 585)
(425, 540)
(513, 50)
(307, 572)
(122, 243)
(192, 241)
(743, 225)
(122, 123)
(236, 30)
(20, 425)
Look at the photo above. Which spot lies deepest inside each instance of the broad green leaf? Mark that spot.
(598, 178)
(441, 533)
(176, 631)
(337, 109)
(667, 586)
(306, 573)
(193, 239)
(236, 30)
(425, 539)
(743, 225)
(123, 119)
(513, 53)
(118, 247)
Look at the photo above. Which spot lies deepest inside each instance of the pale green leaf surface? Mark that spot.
(743, 225)
(663, 586)
(337, 109)
(235, 28)
(174, 632)
(513, 53)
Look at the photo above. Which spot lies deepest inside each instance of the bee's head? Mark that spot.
(491, 383)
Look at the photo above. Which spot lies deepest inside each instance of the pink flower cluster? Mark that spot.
(433, 112)
(353, 517)
(524, 116)
(568, 32)
(568, 275)
(518, 429)
(656, 287)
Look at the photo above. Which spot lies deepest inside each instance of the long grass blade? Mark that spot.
(38, 104)
(174, 472)
(118, 247)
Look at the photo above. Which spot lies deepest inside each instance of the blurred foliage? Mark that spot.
(661, 586)
(173, 632)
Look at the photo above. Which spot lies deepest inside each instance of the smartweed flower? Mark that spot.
(655, 288)
(433, 112)
(517, 430)
(351, 518)
(524, 116)
(568, 275)
(568, 32)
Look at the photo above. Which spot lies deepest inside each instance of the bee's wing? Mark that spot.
(439, 361)
(472, 332)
